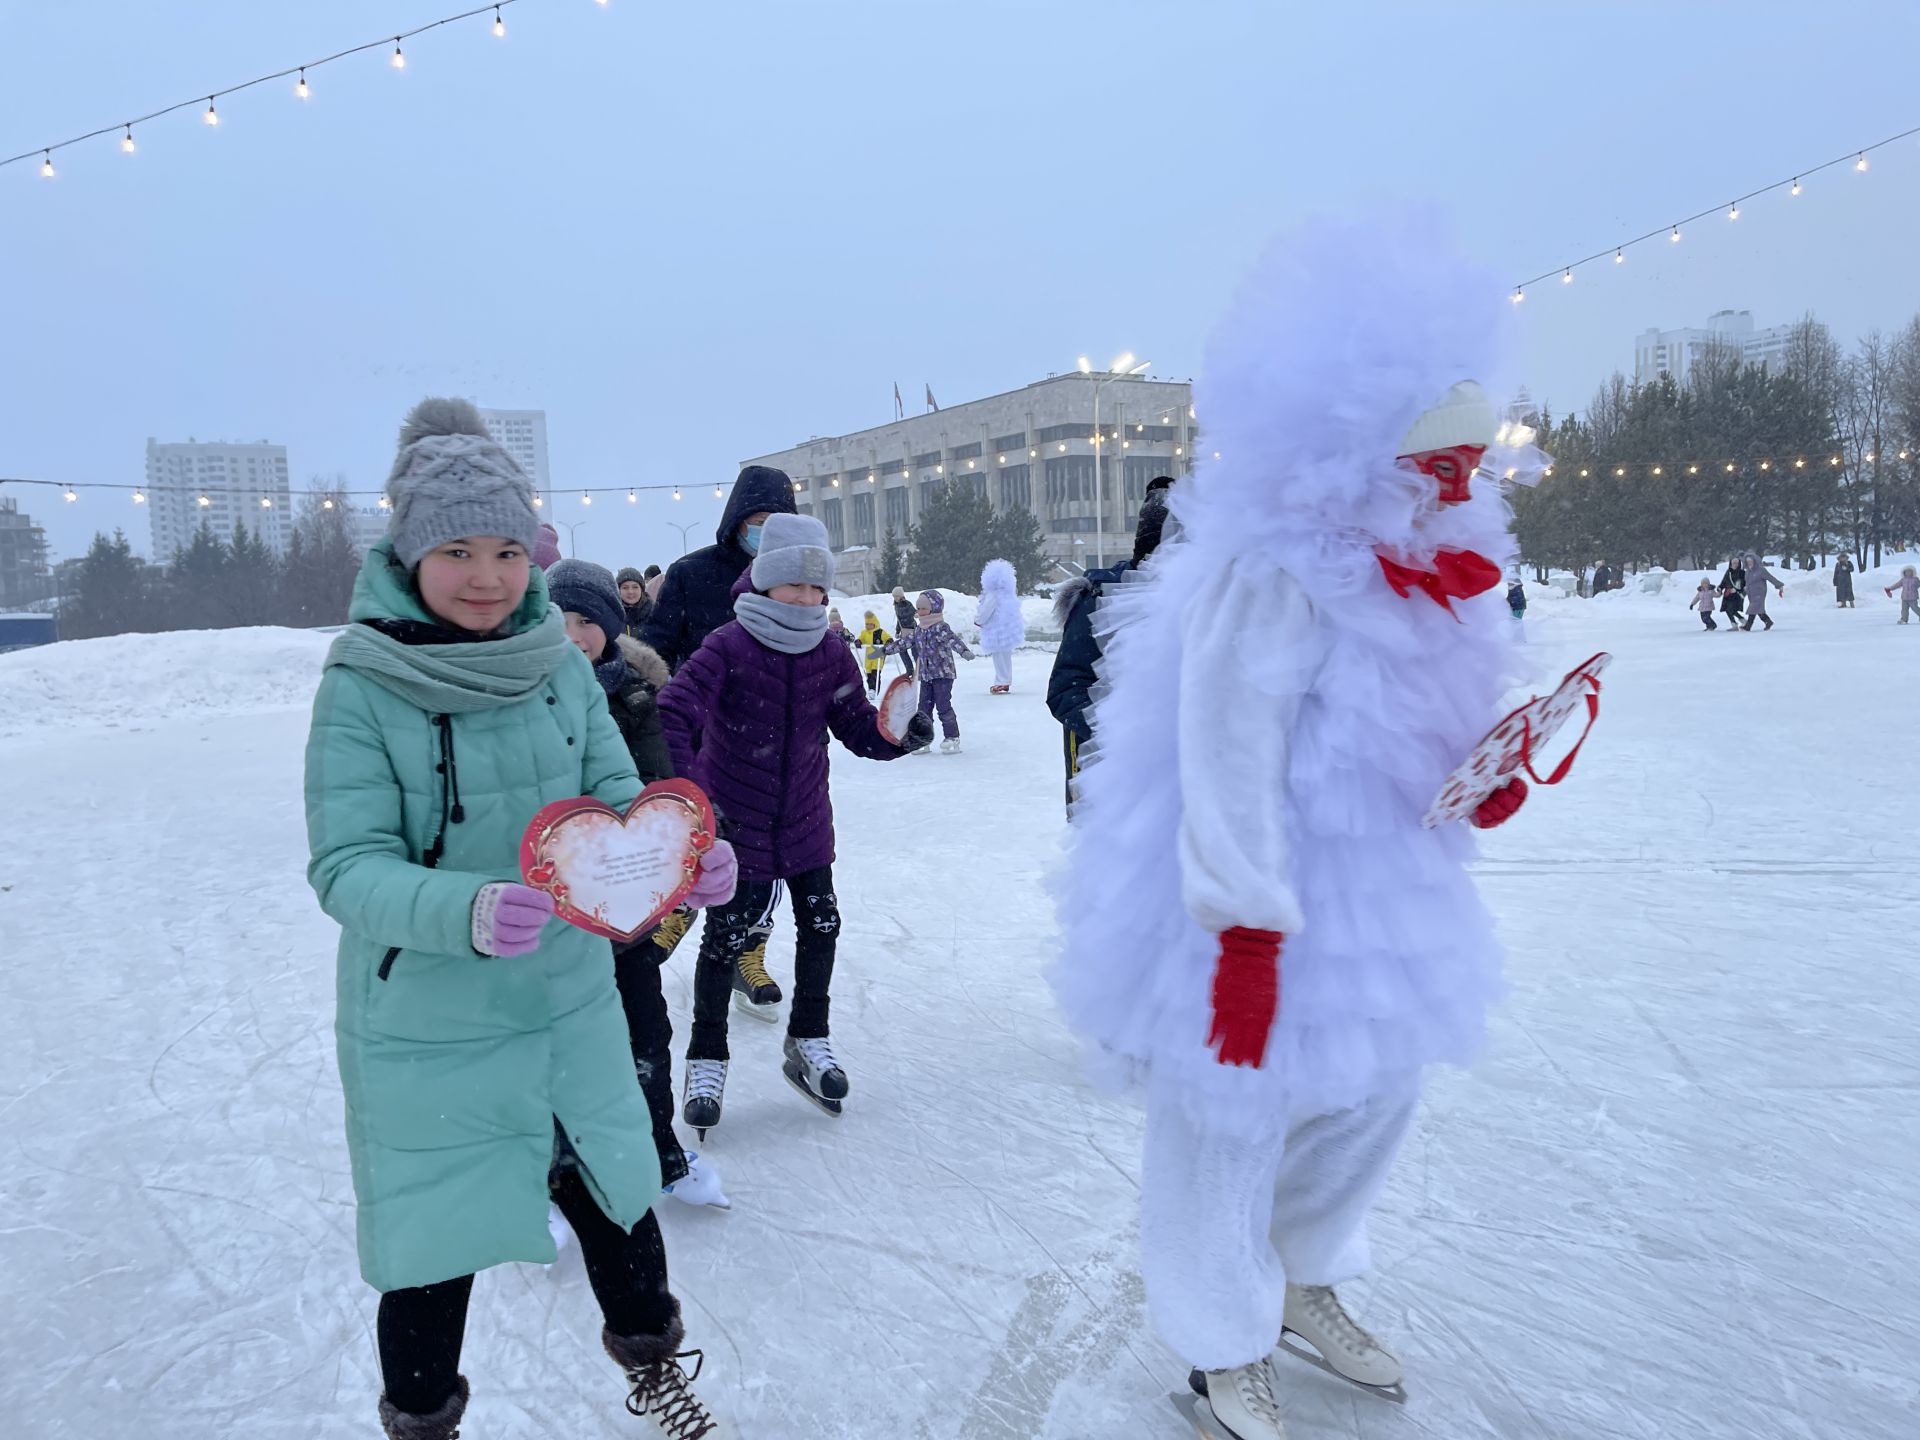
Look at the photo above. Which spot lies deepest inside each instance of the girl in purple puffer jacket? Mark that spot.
(931, 647)
(743, 719)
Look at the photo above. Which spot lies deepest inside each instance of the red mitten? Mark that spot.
(1246, 995)
(1502, 805)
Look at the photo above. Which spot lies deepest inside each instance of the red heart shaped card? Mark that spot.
(619, 873)
(898, 707)
(1511, 745)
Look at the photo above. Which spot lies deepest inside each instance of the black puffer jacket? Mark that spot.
(1070, 687)
(636, 711)
(697, 596)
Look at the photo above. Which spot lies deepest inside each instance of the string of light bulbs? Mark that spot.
(204, 498)
(1731, 209)
(301, 89)
(1764, 464)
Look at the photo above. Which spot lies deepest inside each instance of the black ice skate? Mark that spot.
(812, 1070)
(706, 1087)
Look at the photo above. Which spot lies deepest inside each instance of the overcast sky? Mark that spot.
(699, 232)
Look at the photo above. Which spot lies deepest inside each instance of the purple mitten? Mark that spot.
(507, 919)
(719, 871)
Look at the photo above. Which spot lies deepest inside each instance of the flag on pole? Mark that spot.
(899, 405)
(932, 404)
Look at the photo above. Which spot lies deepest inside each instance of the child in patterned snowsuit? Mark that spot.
(931, 646)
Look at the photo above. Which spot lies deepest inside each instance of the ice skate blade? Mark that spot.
(1201, 1418)
(798, 1081)
(744, 1003)
(1296, 1346)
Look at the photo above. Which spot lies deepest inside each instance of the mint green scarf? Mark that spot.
(447, 679)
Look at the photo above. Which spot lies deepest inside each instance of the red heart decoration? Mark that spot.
(1511, 745)
(898, 707)
(615, 873)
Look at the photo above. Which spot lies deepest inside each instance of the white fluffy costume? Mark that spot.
(1001, 626)
(1273, 718)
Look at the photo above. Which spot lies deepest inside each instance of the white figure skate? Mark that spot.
(1318, 1330)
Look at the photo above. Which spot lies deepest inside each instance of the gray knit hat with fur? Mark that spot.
(452, 479)
(793, 551)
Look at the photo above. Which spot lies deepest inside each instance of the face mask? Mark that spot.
(751, 544)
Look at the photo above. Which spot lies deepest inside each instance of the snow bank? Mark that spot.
(134, 681)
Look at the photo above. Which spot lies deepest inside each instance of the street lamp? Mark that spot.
(1122, 369)
(683, 529)
(573, 525)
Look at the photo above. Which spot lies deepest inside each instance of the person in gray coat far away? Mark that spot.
(1758, 578)
(1843, 581)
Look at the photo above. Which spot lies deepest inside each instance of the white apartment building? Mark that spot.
(1033, 448)
(523, 435)
(217, 483)
(1674, 352)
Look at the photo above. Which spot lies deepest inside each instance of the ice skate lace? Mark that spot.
(1326, 1308)
(818, 1054)
(1253, 1384)
(662, 1390)
(753, 969)
(706, 1079)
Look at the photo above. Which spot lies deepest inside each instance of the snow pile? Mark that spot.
(132, 681)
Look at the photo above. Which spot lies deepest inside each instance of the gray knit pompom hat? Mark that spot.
(451, 479)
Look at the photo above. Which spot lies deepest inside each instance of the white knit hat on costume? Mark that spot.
(1464, 416)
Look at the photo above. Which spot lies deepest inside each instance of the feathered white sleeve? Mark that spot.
(1249, 650)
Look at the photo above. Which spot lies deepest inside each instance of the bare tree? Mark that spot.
(1863, 410)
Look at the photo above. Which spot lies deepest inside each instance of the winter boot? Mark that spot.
(706, 1088)
(700, 1185)
(754, 991)
(442, 1424)
(662, 1390)
(1341, 1347)
(812, 1069)
(1241, 1401)
(672, 931)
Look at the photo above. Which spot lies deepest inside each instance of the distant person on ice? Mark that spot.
(1909, 587)
(930, 647)
(1070, 686)
(1703, 601)
(1758, 577)
(1843, 581)
(873, 650)
(744, 718)
(1001, 628)
(483, 1053)
(1733, 594)
(1259, 931)
(904, 619)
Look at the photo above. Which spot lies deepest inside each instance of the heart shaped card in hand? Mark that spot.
(898, 707)
(619, 873)
(1511, 745)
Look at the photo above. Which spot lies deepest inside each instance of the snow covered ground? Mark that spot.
(1678, 1200)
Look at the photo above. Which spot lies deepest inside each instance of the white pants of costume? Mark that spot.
(1225, 1223)
(1002, 666)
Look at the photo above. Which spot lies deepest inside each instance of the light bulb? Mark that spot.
(326, 504)
(71, 497)
(1656, 470)
(300, 89)
(1619, 471)
(1729, 467)
(212, 117)
(870, 477)
(999, 459)
(836, 482)
(46, 165)
(1619, 256)
(939, 469)
(399, 61)
(537, 502)
(1584, 473)
(1693, 469)
(585, 498)
(1796, 186)
(1675, 237)
(386, 504)
(1733, 211)
(676, 492)
(1518, 294)
(1033, 454)
(633, 499)
(499, 25)
(265, 503)
(126, 142)
(970, 464)
(1566, 276)
(139, 498)
(1861, 163)
(716, 492)
(1836, 460)
(205, 502)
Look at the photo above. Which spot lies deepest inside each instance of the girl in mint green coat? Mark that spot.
(483, 1050)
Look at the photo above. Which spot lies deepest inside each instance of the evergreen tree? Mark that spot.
(194, 583)
(251, 593)
(890, 570)
(322, 563)
(112, 593)
(1017, 538)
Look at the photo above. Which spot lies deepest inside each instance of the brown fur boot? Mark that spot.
(442, 1424)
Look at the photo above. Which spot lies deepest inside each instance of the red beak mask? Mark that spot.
(1451, 469)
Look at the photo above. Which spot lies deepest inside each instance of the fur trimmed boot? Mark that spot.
(442, 1424)
(662, 1390)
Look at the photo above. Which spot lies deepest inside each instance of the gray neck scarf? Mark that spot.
(790, 629)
